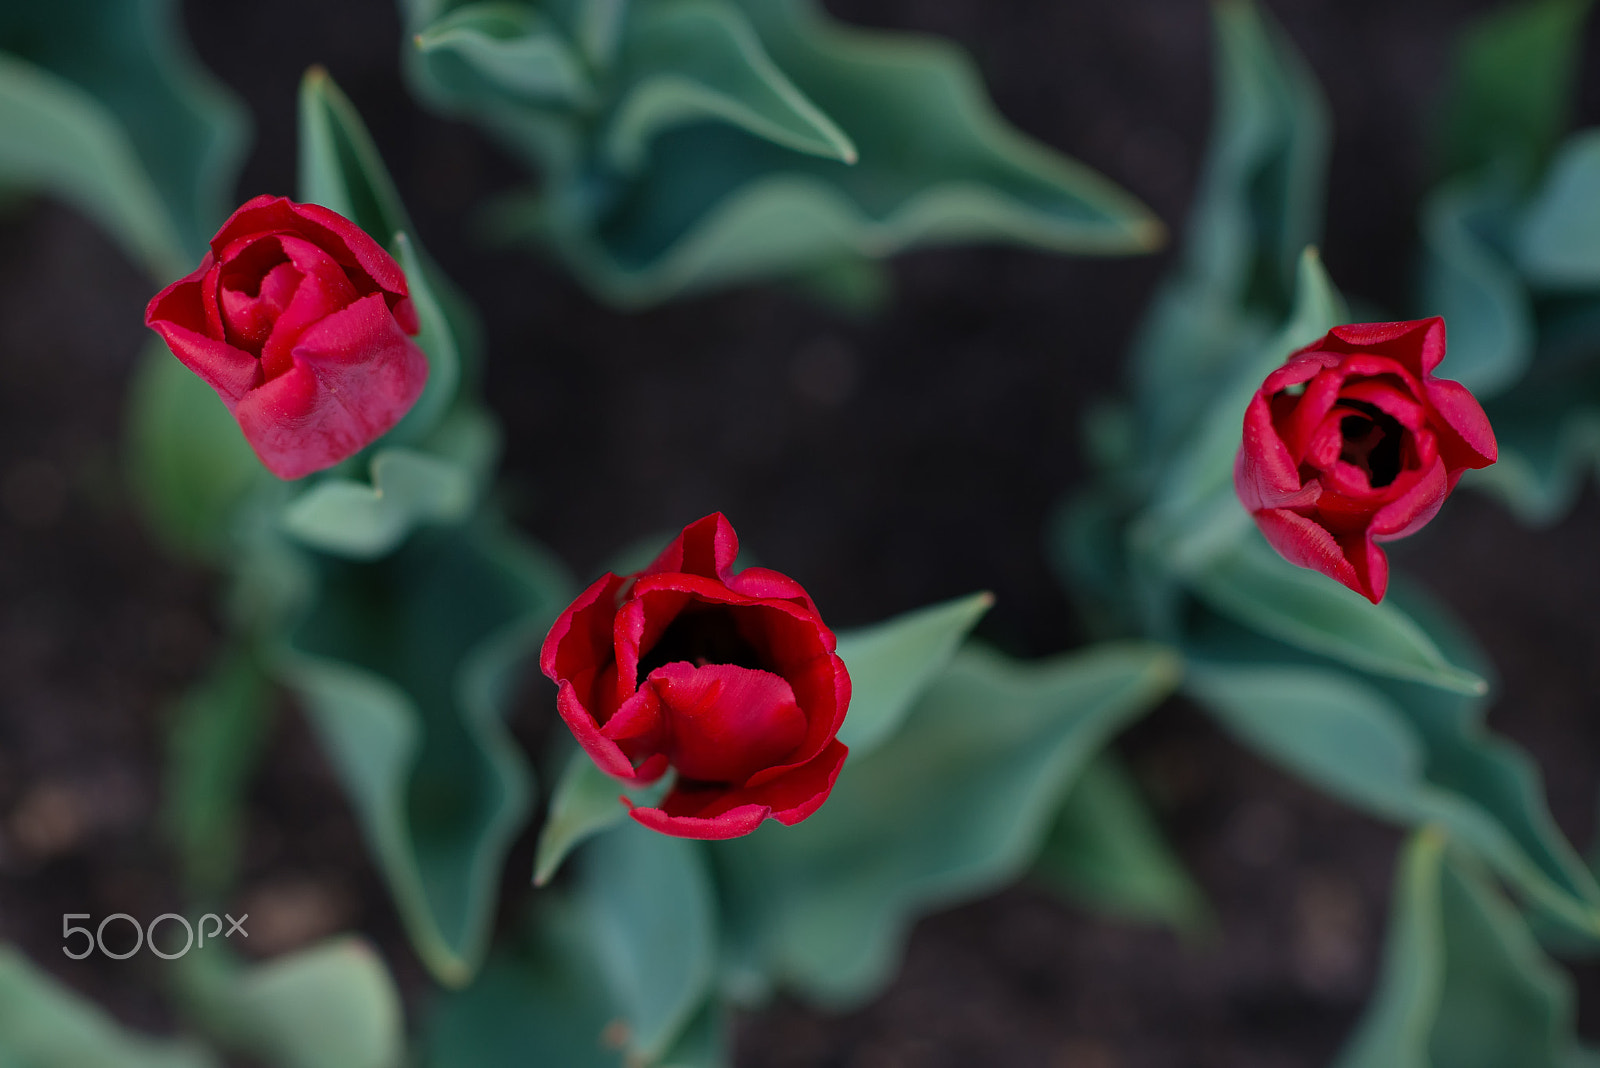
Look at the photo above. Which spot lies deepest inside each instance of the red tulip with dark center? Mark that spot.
(300, 321)
(731, 680)
(1353, 442)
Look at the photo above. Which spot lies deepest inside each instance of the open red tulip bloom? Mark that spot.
(1353, 442)
(299, 321)
(729, 679)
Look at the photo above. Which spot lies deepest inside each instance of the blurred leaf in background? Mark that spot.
(1511, 251)
(1464, 983)
(103, 105)
(688, 144)
(45, 1025)
(329, 1006)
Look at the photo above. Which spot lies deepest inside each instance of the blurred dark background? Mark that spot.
(886, 463)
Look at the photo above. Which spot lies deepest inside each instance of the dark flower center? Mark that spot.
(1372, 439)
(702, 634)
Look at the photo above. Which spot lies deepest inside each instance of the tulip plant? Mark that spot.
(742, 800)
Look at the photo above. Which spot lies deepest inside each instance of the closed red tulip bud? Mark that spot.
(729, 679)
(301, 323)
(1354, 442)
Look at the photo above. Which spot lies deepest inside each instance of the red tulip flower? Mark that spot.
(1353, 442)
(301, 323)
(731, 680)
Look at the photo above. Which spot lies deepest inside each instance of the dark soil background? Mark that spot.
(885, 463)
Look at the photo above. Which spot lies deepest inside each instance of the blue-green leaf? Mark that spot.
(188, 459)
(956, 806)
(892, 662)
(693, 61)
(437, 339)
(514, 48)
(1408, 753)
(651, 913)
(214, 742)
(1465, 985)
(1512, 87)
(363, 522)
(540, 995)
(187, 134)
(1248, 582)
(1202, 472)
(586, 801)
(340, 167)
(45, 1025)
(331, 1006)
(57, 137)
(1486, 308)
(1558, 246)
(719, 149)
(1258, 207)
(1105, 849)
(405, 666)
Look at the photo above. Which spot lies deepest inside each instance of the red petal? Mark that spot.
(1264, 474)
(1465, 437)
(339, 237)
(1303, 542)
(606, 754)
(323, 290)
(1412, 510)
(726, 722)
(687, 812)
(580, 638)
(707, 547)
(772, 585)
(355, 374)
(1418, 344)
(232, 372)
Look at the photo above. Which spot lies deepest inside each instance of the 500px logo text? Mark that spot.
(146, 936)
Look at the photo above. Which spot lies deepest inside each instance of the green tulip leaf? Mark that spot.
(405, 666)
(651, 913)
(1549, 438)
(586, 801)
(1464, 983)
(513, 48)
(892, 662)
(331, 1006)
(541, 995)
(365, 521)
(57, 137)
(340, 168)
(1250, 583)
(188, 459)
(704, 1043)
(1558, 246)
(214, 742)
(958, 805)
(1485, 306)
(1106, 850)
(1258, 208)
(437, 339)
(1512, 87)
(694, 61)
(616, 971)
(1409, 753)
(45, 1025)
(108, 108)
(736, 139)
(1203, 472)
